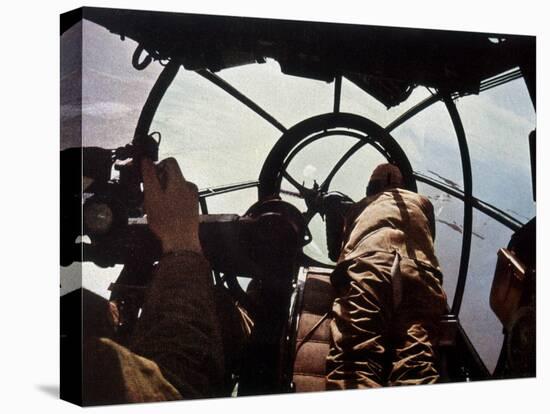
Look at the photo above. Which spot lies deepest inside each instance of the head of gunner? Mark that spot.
(384, 177)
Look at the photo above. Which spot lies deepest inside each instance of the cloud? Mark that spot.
(310, 171)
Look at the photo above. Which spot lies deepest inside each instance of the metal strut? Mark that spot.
(468, 202)
(153, 100)
(235, 93)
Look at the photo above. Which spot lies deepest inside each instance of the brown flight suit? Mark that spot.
(390, 298)
(178, 347)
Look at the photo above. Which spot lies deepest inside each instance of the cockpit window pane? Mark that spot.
(449, 216)
(234, 202)
(430, 142)
(315, 161)
(497, 124)
(478, 320)
(352, 179)
(113, 92)
(290, 99)
(215, 139)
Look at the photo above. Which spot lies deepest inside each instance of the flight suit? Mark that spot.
(385, 324)
(178, 347)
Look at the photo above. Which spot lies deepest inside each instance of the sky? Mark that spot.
(217, 140)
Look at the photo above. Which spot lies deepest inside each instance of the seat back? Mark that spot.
(312, 337)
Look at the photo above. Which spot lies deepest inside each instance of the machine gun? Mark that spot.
(110, 214)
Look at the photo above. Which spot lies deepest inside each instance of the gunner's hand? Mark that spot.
(172, 206)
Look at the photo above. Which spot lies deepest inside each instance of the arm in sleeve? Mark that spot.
(178, 328)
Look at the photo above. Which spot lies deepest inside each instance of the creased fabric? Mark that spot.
(390, 300)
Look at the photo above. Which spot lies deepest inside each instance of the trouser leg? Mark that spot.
(415, 327)
(414, 360)
(359, 329)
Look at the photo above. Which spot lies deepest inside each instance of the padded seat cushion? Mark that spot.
(312, 342)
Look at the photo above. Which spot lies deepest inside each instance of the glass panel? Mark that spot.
(289, 99)
(449, 217)
(357, 101)
(215, 138)
(353, 177)
(480, 323)
(316, 160)
(497, 124)
(430, 142)
(113, 92)
(235, 202)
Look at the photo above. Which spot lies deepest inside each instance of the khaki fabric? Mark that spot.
(397, 220)
(176, 351)
(115, 375)
(385, 329)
